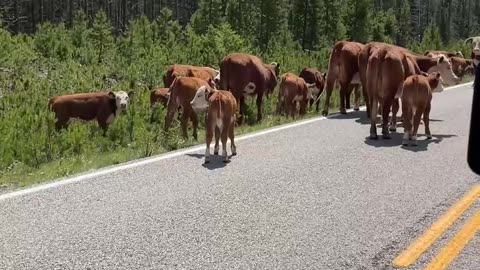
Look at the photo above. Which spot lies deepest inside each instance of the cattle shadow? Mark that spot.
(359, 116)
(216, 161)
(396, 141)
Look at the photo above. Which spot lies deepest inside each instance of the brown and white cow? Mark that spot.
(182, 91)
(294, 91)
(416, 94)
(475, 54)
(246, 75)
(220, 106)
(432, 53)
(383, 82)
(102, 106)
(462, 66)
(313, 76)
(176, 70)
(343, 67)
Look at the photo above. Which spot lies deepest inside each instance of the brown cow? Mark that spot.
(313, 76)
(103, 106)
(182, 91)
(416, 94)
(173, 71)
(462, 66)
(246, 75)
(220, 106)
(293, 90)
(343, 67)
(159, 95)
(475, 54)
(432, 53)
(383, 82)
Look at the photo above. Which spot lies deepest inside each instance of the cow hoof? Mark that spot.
(414, 144)
(356, 109)
(373, 137)
(386, 137)
(393, 129)
(405, 143)
(234, 154)
(324, 113)
(429, 137)
(226, 161)
(207, 161)
(343, 112)
(215, 153)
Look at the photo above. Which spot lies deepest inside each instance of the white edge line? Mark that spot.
(131, 164)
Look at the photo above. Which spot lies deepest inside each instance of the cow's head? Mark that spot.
(436, 82)
(216, 80)
(444, 66)
(459, 54)
(475, 41)
(121, 98)
(310, 89)
(212, 83)
(200, 101)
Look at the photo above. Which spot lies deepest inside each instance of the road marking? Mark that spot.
(140, 162)
(422, 243)
(459, 241)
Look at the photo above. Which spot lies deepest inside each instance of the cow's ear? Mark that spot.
(111, 94)
(210, 92)
(441, 59)
(437, 75)
(131, 94)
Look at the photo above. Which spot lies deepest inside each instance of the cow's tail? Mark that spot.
(332, 73)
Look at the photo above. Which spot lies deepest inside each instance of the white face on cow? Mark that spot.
(439, 87)
(444, 67)
(311, 88)
(199, 102)
(216, 79)
(121, 99)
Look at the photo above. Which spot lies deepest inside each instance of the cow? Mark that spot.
(176, 70)
(462, 66)
(475, 54)
(313, 76)
(342, 67)
(182, 91)
(416, 94)
(220, 107)
(294, 90)
(159, 95)
(102, 106)
(246, 75)
(432, 53)
(383, 82)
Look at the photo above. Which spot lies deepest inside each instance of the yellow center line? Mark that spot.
(453, 248)
(422, 243)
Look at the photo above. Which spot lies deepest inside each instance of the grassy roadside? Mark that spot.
(23, 176)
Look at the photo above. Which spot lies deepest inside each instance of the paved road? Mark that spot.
(316, 196)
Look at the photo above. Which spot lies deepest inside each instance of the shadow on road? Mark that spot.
(216, 161)
(396, 141)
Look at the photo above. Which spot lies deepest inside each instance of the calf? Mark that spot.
(416, 95)
(220, 106)
(294, 90)
(159, 95)
(313, 76)
(432, 53)
(461, 66)
(103, 106)
(176, 70)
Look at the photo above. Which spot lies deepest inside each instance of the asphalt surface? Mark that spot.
(316, 196)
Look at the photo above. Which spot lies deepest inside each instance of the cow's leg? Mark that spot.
(426, 120)
(373, 118)
(194, 119)
(318, 102)
(171, 110)
(103, 124)
(387, 104)
(330, 84)
(407, 123)
(231, 135)
(303, 107)
(348, 94)
(343, 97)
(208, 141)
(242, 110)
(259, 107)
(61, 123)
(416, 123)
(356, 105)
(217, 140)
(225, 128)
(395, 108)
(184, 122)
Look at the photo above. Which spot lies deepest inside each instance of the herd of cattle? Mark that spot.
(384, 72)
